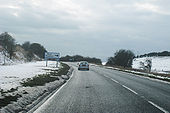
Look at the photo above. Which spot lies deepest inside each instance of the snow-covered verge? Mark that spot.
(30, 96)
(145, 74)
(12, 75)
(159, 64)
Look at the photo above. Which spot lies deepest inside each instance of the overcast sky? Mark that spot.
(94, 28)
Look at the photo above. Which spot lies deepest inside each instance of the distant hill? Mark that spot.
(152, 54)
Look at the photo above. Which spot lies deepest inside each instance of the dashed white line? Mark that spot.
(106, 76)
(130, 89)
(160, 108)
(122, 85)
(114, 80)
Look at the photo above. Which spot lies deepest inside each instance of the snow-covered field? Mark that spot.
(12, 75)
(28, 97)
(159, 64)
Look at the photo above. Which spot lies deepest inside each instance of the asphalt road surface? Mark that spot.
(102, 90)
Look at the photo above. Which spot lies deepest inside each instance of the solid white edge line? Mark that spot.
(47, 101)
(160, 108)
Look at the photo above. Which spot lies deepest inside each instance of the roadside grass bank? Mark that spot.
(40, 80)
(8, 99)
(33, 90)
(159, 76)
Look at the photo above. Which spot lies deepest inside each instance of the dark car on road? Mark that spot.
(83, 65)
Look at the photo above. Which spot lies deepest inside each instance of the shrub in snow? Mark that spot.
(146, 65)
(122, 58)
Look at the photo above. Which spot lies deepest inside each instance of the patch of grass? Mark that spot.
(8, 91)
(8, 99)
(53, 73)
(64, 70)
(46, 78)
(39, 80)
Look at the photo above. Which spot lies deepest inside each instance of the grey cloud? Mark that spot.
(89, 27)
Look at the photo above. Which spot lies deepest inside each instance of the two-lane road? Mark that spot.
(103, 90)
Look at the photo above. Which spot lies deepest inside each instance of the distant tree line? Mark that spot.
(77, 58)
(164, 53)
(9, 45)
(122, 57)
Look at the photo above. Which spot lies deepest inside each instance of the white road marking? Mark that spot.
(136, 74)
(115, 80)
(112, 79)
(130, 89)
(160, 108)
(49, 99)
(122, 85)
(106, 76)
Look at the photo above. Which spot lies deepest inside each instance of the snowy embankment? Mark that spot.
(28, 97)
(159, 64)
(5, 59)
(12, 75)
